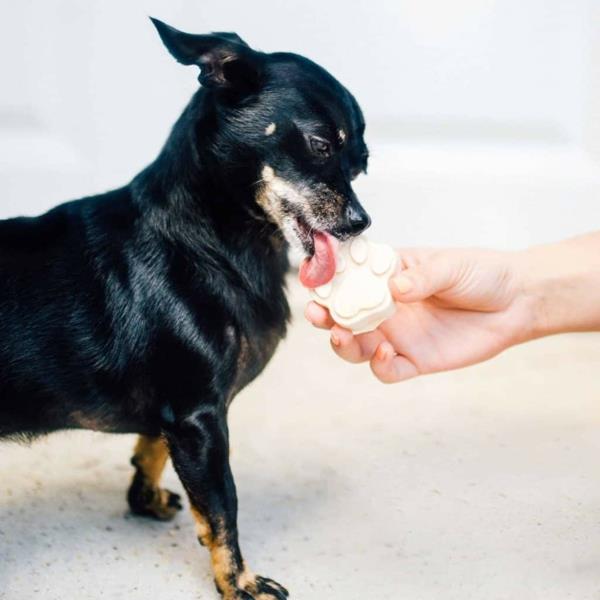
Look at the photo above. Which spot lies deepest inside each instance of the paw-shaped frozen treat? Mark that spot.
(358, 296)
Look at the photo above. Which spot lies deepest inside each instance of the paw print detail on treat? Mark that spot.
(358, 297)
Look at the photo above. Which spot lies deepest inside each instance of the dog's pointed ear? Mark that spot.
(225, 60)
(231, 36)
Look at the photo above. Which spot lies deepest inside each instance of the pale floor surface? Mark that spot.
(478, 484)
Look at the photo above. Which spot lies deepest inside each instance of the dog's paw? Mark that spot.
(263, 588)
(155, 503)
(257, 588)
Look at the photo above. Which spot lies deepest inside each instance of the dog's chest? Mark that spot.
(253, 356)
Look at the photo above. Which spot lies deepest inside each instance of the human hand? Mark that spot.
(454, 308)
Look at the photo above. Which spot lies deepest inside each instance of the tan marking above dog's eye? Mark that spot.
(270, 130)
(267, 173)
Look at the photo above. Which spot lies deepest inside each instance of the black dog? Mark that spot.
(146, 309)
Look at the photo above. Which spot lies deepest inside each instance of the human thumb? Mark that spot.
(421, 281)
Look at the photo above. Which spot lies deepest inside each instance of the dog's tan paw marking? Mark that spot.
(156, 503)
(263, 588)
(358, 297)
(255, 587)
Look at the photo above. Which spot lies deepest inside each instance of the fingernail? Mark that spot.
(335, 340)
(402, 284)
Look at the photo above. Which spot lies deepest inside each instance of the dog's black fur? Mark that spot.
(146, 309)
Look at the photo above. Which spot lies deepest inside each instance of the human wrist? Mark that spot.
(560, 284)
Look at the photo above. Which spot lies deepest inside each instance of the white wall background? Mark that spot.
(483, 116)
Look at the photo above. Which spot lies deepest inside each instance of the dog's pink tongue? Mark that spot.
(320, 267)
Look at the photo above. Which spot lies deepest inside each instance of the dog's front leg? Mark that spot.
(200, 452)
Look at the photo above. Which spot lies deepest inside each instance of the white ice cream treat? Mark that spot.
(358, 296)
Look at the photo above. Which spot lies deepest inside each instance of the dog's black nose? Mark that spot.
(357, 218)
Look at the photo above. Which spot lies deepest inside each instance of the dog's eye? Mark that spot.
(320, 147)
